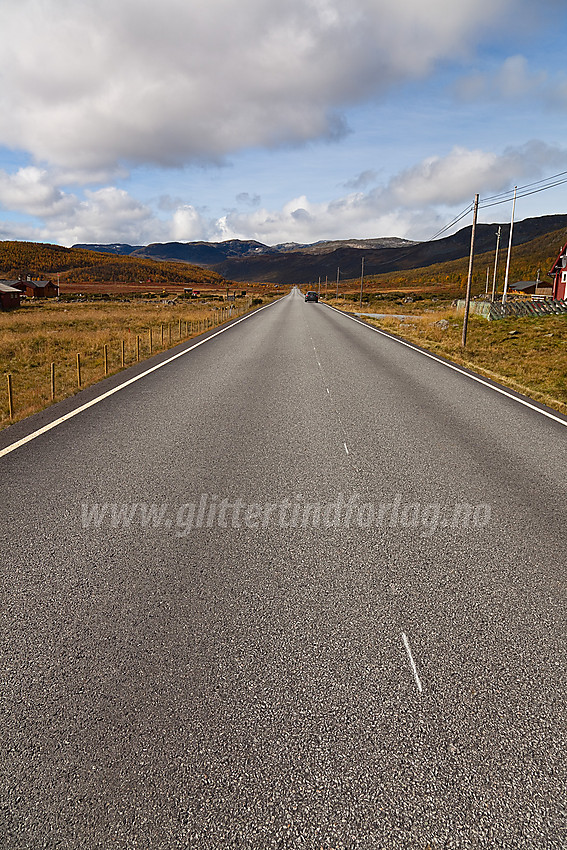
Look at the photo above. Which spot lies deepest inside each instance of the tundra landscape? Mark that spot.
(283, 418)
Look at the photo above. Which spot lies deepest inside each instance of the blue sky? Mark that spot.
(131, 121)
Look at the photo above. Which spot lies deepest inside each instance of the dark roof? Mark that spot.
(525, 284)
(37, 284)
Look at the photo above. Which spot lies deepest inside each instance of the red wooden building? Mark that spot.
(9, 295)
(559, 275)
(38, 288)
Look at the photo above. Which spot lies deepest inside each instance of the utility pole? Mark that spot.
(338, 272)
(469, 278)
(319, 289)
(496, 264)
(361, 282)
(505, 293)
(487, 275)
(325, 286)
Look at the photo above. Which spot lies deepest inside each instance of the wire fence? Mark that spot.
(45, 381)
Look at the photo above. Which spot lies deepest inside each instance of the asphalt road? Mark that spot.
(256, 667)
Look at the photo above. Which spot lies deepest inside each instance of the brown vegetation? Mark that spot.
(77, 269)
(55, 331)
(449, 279)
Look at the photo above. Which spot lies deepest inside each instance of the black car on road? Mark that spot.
(312, 296)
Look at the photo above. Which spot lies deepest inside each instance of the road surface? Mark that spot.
(300, 587)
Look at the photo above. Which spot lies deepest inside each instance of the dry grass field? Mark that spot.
(42, 333)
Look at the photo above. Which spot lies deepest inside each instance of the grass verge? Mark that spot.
(37, 335)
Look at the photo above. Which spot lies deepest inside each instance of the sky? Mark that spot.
(136, 121)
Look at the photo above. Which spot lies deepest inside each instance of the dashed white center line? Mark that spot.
(412, 663)
(328, 391)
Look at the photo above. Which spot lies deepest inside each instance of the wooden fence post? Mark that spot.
(137, 348)
(52, 369)
(179, 328)
(10, 398)
(162, 336)
(123, 354)
(105, 355)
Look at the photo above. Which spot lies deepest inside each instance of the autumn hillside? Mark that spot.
(76, 267)
(449, 278)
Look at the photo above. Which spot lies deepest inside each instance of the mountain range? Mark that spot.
(248, 260)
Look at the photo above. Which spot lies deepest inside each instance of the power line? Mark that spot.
(497, 200)
(524, 194)
(527, 186)
(408, 251)
(451, 223)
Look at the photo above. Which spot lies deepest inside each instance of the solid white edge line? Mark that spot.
(13, 446)
(412, 663)
(452, 366)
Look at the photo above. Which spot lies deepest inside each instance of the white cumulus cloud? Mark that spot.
(514, 79)
(414, 203)
(87, 85)
(411, 204)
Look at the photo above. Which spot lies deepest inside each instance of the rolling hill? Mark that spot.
(76, 267)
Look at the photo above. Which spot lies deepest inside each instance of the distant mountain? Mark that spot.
(120, 249)
(203, 253)
(363, 244)
(213, 253)
(302, 266)
(242, 260)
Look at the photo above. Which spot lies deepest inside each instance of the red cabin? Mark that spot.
(38, 288)
(9, 295)
(559, 275)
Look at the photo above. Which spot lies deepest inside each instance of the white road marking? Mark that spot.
(334, 408)
(455, 368)
(127, 383)
(412, 662)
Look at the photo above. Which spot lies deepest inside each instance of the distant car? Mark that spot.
(312, 296)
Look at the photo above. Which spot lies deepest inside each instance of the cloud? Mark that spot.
(511, 81)
(107, 214)
(31, 190)
(414, 203)
(248, 199)
(362, 181)
(88, 85)
(188, 225)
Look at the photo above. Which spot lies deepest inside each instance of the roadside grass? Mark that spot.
(36, 335)
(528, 355)
(397, 303)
